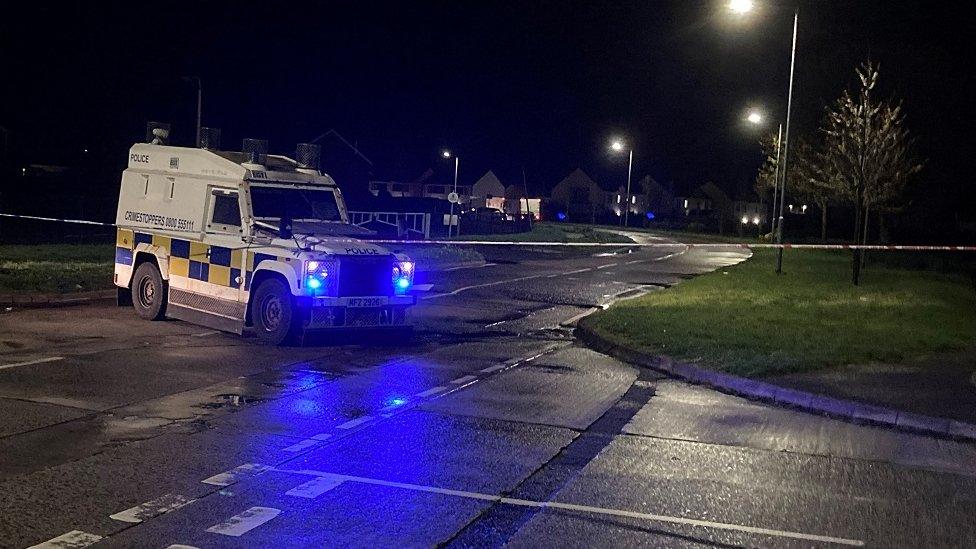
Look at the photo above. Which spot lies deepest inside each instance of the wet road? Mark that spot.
(493, 427)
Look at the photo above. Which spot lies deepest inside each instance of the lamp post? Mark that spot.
(756, 118)
(618, 146)
(742, 7)
(199, 102)
(450, 226)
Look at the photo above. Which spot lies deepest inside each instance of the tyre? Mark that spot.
(149, 292)
(274, 313)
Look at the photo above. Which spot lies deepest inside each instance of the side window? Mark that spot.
(225, 215)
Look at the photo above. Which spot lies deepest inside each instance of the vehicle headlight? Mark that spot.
(403, 276)
(317, 276)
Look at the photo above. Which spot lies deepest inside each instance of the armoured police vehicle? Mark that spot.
(235, 239)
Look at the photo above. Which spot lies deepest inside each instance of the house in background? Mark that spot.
(488, 191)
(579, 198)
(517, 203)
(707, 205)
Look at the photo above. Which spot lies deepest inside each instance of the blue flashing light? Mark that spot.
(560, 216)
(403, 283)
(313, 283)
(650, 215)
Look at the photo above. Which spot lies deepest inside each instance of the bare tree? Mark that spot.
(807, 180)
(867, 151)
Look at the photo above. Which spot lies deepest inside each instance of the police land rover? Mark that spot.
(234, 239)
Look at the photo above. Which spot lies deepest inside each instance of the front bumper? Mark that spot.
(358, 312)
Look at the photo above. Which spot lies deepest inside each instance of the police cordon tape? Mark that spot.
(734, 245)
(912, 248)
(77, 221)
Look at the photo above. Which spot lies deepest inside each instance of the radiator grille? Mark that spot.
(366, 276)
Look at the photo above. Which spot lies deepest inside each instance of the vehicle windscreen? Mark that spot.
(298, 204)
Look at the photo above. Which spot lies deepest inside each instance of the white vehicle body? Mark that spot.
(206, 220)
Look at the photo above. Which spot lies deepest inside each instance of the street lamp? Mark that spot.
(199, 101)
(450, 226)
(618, 146)
(743, 7)
(740, 6)
(754, 117)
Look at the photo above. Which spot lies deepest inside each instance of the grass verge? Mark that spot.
(749, 321)
(430, 257)
(56, 268)
(66, 268)
(554, 232)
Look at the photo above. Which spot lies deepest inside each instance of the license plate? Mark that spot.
(365, 302)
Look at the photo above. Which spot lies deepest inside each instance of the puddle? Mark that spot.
(231, 400)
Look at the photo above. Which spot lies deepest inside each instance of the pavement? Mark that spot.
(493, 427)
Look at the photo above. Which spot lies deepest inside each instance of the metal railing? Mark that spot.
(411, 224)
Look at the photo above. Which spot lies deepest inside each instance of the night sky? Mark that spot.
(537, 86)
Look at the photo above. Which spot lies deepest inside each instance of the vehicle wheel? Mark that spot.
(274, 313)
(149, 292)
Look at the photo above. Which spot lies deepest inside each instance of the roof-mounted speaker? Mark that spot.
(308, 155)
(157, 133)
(209, 138)
(255, 150)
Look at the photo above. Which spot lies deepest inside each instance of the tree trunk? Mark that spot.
(864, 236)
(823, 222)
(856, 258)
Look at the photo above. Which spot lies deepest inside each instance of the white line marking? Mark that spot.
(238, 525)
(298, 447)
(181, 546)
(322, 436)
(73, 539)
(575, 318)
(497, 282)
(237, 473)
(586, 509)
(30, 362)
(470, 267)
(494, 368)
(154, 508)
(205, 334)
(464, 379)
(634, 261)
(608, 265)
(355, 422)
(430, 392)
(314, 488)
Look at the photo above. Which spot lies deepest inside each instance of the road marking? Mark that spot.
(73, 539)
(355, 422)
(314, 488)
(181, 546)
(635, 261)
(470, 267)
(576, 318)
(430, 392)
(238, 525)
(608, 265)
(585, 509)
(237, 473)
(494, 368)
(154, 508)
(497, 282)
(464, 379)
(205, 334)
(307, 443)
(30, 362)
(322, 436)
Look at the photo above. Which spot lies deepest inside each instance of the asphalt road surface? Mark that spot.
(491, 428)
